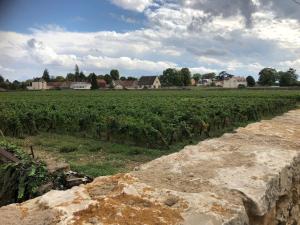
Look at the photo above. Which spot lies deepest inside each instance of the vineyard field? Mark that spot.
(151, 119)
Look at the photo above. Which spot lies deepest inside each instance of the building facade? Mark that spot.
(38, 85)
(149, 82)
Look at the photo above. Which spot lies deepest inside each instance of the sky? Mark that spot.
(144, 37)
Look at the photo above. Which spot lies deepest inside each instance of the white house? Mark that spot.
(38, 85)
(80, 86)
(231, 82)
(235, 82)
(150, 82)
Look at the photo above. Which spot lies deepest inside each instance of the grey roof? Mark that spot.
(147, 80)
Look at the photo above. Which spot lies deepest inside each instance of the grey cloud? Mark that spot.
(225, 8)
(33, 43)
(283, 8)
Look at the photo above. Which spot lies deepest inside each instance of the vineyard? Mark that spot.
(152, 119)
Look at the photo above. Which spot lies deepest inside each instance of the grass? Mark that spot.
(87, 155)
(94, 157)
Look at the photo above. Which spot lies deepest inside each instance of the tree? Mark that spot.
(70, 77)
(77, 73)
(46, 76)
(122, 78)
(174, 77)
(81, 77)
(185, 76)
(169, 77)
(1, 79)
(267, 77)
(107, 78)
(115, 74)
(209, 76)
(288, 78)
(197, 77)
(250, 81)
(94, 81)
(59, 79)
(131, 78)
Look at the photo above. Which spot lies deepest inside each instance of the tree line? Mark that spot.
(169, 77)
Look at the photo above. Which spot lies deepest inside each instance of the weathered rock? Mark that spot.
(250, 177)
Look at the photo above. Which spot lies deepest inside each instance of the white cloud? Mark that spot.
(136, 5)
(178, 33)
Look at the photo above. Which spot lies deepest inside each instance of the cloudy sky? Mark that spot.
(144, 37)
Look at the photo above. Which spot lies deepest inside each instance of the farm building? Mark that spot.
(125, 84)
(232, 82)
(149, 82)
(38, 85)
(80, 86)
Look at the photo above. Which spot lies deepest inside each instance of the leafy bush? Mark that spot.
(20, 181)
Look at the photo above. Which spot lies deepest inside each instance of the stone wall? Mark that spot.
(249, 177)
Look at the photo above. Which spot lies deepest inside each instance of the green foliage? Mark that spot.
(149, 119)
(288, 78)
(186, 76)
(209, 76)
(46, 76)
(174, 77)
(197, 77)
(268, 77)
(94, 83)
(250, 81)
(67, 149)
(1, 79)
(20, 181)
(114, 74)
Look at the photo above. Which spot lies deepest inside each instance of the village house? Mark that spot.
(125, 84)
(80, 86)
(232, 82)
(149, 82)
(38, 85)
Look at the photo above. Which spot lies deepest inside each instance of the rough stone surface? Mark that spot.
(249, 177)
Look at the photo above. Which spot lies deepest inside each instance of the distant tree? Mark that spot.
(81, 77)
(46, 76)
(70, 77)
(209, 76)
(115, 74)
(288, 78)
(131, 78)
(197, 77)
(108, 78)
(94, 82)
(89, 77)
(174, 77)
(59, 79)
(250, 81)
(2, 82)
(267, 77)
(123, 78)
(77, 73)
(169, 77)
(185, 76)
